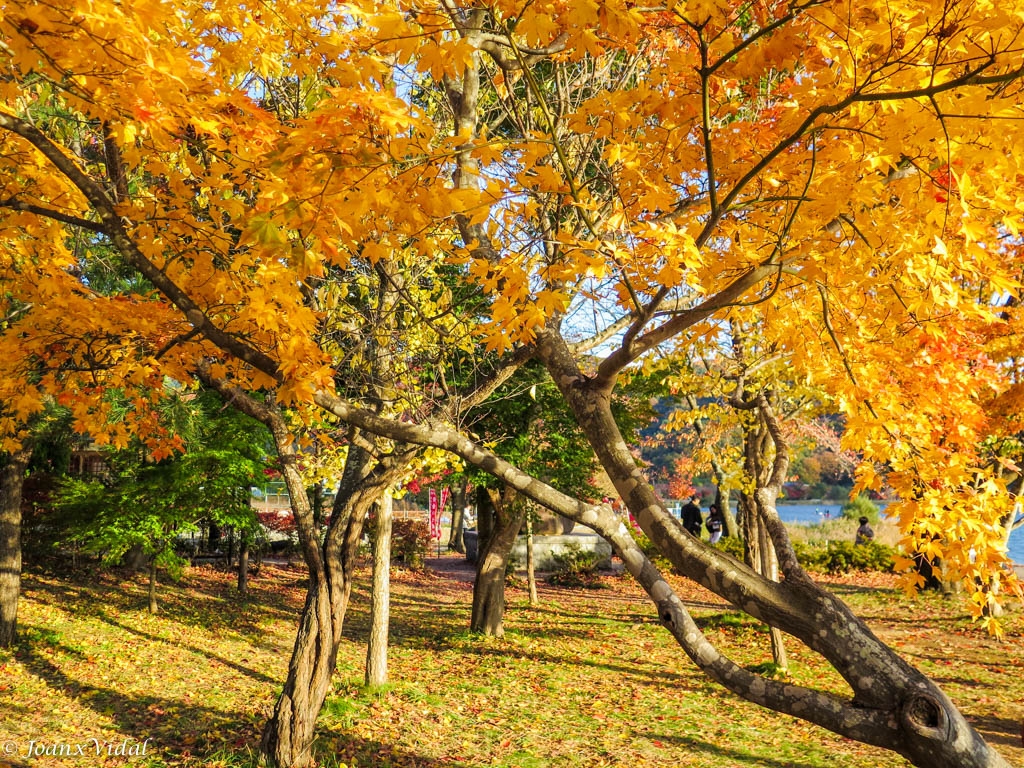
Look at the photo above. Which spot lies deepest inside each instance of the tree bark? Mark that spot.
(12, 480)
(531, 575)
(380, 598)
(287, 738)
(152, 586)
(243, 564)
(455, 538)
(492, 561)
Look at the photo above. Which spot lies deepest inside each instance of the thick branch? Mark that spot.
(679, 322)
(76, 221)
(865, 724)
(113, 227)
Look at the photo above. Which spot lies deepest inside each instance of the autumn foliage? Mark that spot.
(223, 191)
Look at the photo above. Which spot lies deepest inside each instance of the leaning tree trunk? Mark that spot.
(12, 480)
(380, 598)
(892, 704)
(492, 562)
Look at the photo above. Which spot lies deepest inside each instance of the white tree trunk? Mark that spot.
(380, 598)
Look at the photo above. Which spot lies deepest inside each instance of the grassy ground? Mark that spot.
(586, 679)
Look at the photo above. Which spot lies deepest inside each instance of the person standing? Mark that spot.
(715, 524)
(691, 516)
(865, 535)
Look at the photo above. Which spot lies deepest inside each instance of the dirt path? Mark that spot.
(452, 565)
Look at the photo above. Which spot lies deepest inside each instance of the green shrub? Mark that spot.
(575, 568)
(860, 507)
(844, 556)
(811, 556)
(732, 546)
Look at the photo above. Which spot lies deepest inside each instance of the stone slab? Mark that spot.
(546, 548)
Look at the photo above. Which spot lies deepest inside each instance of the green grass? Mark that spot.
(585, 680)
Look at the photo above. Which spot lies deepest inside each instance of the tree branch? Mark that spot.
(113, 227)
(14, 204)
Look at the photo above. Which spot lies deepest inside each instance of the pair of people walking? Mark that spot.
(692, 520)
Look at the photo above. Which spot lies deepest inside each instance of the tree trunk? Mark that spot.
(12, 479)
(893, 705)
(380, 598)
(243, 564)
(152, 586)
(769, 568)
(724, 503)
(455, 540)
(760, 460)
(288, 735)
(229, 557)
(287, 739)
(213, 538)
(531, 576)
(492, 561)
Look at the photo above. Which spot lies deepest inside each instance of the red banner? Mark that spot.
(437, 504)
(435, 515)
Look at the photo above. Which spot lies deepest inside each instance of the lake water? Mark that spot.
(808, 514)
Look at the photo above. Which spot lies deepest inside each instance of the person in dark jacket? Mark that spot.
(691, 516)
(865, 534)
(715, 524)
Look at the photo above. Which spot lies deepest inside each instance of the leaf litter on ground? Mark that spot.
(587, 678)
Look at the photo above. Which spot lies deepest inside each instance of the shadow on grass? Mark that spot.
(999, 731)
(339, 749)
(193, 732)
(654, 676)
(740, 757)
(171, 725)
(852, 589)
(198, 603)
(191, 648)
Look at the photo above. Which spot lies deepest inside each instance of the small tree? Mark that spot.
(146, 505)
